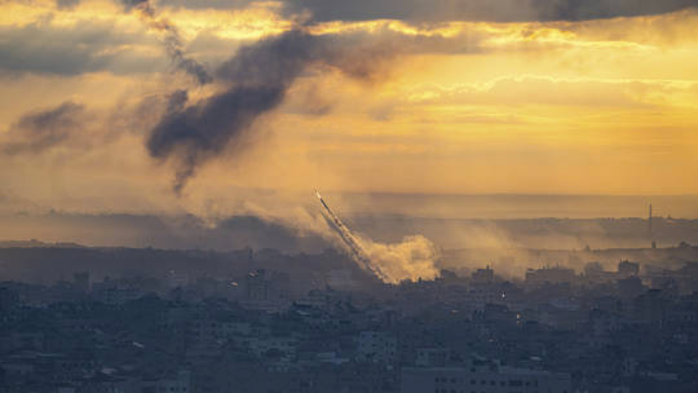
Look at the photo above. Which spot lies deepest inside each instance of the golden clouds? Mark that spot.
(581, 107)
(250, 23)
(591, 107)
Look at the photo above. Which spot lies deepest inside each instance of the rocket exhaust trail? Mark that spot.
(357, 251)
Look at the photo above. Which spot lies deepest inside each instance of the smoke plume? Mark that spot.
(257, 79)
(172, 41)
(414, 258)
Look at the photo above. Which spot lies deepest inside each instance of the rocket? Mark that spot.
(336, 222)
(357, 252)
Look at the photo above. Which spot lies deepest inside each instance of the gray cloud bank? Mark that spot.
(462, 10)
(92, 47)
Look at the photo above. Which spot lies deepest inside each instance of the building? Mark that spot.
(483, 276)
(341, 279)
(432, 357)
(549, 275)
(9, 299)
(376, 347)
(175, 383)
(627, 269)
(261, 285)
(176, 279)
(489, 377)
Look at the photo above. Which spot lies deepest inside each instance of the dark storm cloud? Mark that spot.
(574, 10)
(484, 10)
(462, 10)
(43, 129)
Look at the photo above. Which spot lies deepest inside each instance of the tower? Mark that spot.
(649, 222)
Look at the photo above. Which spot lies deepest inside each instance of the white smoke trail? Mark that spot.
(412, 259)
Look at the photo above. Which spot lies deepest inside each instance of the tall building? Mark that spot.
(256, 285)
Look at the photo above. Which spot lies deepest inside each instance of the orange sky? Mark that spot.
(601, 106)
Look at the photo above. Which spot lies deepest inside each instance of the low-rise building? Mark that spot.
(486, 378)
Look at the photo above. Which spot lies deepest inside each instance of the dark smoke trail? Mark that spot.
(172, 42)
(259, 76)
(199, 132)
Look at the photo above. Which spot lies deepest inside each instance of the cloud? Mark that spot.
(541, 90)
(43, 129)
(91, 47)
(67, 4)
(483, 10)
(459, 10)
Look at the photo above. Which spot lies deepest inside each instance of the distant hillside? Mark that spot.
(188, 232)
(33, 243)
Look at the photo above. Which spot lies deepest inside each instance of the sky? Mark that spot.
(198, 106)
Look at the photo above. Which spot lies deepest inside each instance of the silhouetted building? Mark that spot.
(628, 269)
(483, 276)
(549, 275)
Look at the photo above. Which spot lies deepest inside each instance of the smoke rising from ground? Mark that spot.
(414, 258)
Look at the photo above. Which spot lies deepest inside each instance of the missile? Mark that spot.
(347, 237)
